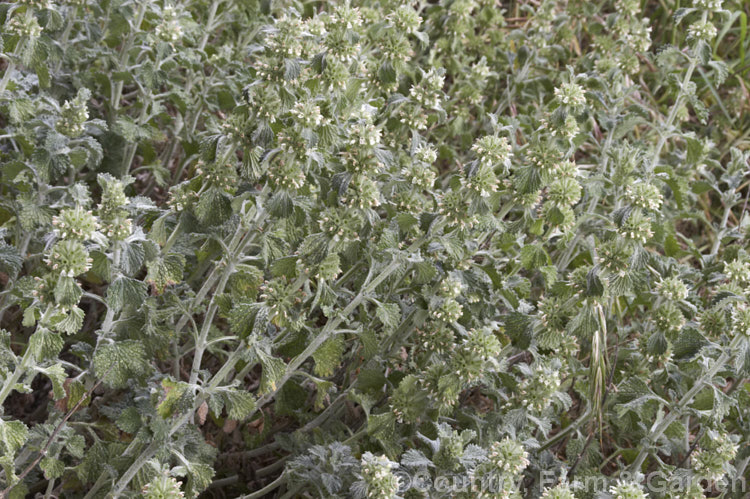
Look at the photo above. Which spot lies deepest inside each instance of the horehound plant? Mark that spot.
(385, 249)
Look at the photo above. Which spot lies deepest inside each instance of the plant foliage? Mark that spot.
(357, 248)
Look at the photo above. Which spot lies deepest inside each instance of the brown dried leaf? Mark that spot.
(230, 425)
(202, 413)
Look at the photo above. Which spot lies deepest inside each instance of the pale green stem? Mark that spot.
(132, 148)
(21, 368)
(676, 411)
(16, 53)
(6, 77)
(201, 344)
(126, 50)
(331, 325)
(209, 22)
(10, 383)
(109, 318)
(66, 35)
(675, 108)
(720, 232)
(154, 446)
(172, 237)
(267, 489)
(229, 364)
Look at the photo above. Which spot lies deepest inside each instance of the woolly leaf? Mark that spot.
(688, 344)
(70, 322)
(56, 374)
(165, 271)
(389, 314)
(67, 292)
(118, 362)
(414, 458)
(273, 370)
(52, 468)
(239, 404)
(125, 291)
(132, 256)
(174, 400)
(10, 260)
(13, 435)
(75, 392)
(129, 420)
(45, 344)
(213, 208)
(382, 428)
(321, 393)
(534, 256)
(199, 477)
(328, 356)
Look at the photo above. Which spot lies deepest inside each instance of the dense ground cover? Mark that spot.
(374, 249)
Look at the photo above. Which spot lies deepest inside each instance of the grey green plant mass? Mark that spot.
(374, 249)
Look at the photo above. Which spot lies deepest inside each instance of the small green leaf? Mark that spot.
(70, 322)
(129, 420)
(389, 314)
(239, 404)
(52, 468)
(273, 370)
(165, 271)
(56, 374)
(175, 399)
(214, 207)
(118, 362)
(13, 435)
(328, 356)
(125, 291)
(45, 344)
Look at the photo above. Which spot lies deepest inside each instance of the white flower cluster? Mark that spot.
(492, 150)
(638, 37)
(119, 230)
(426, 154)
(565, 191)
(429, 90)
(307, 113)
(448, 311)
(741, 320)
(627, 490)
(169, 29)
(672, 288)
(537, 389)
(702, 30)
(567, 129)
(483, 182)
(561, 491)
(644, 195)
(629, 7)
(163, 487)
(508, 456)
(36, 4)
(75, 223)
(362, 193)
(406, 19)
(450, 288)
(709, 5)
(710, 461)
(364, 134)
(637, 228)
(377, 472)
(68, 257)
(738, 271)
(24, 26)
(571, 94)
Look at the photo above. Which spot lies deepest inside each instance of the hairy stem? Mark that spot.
(676, 411)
